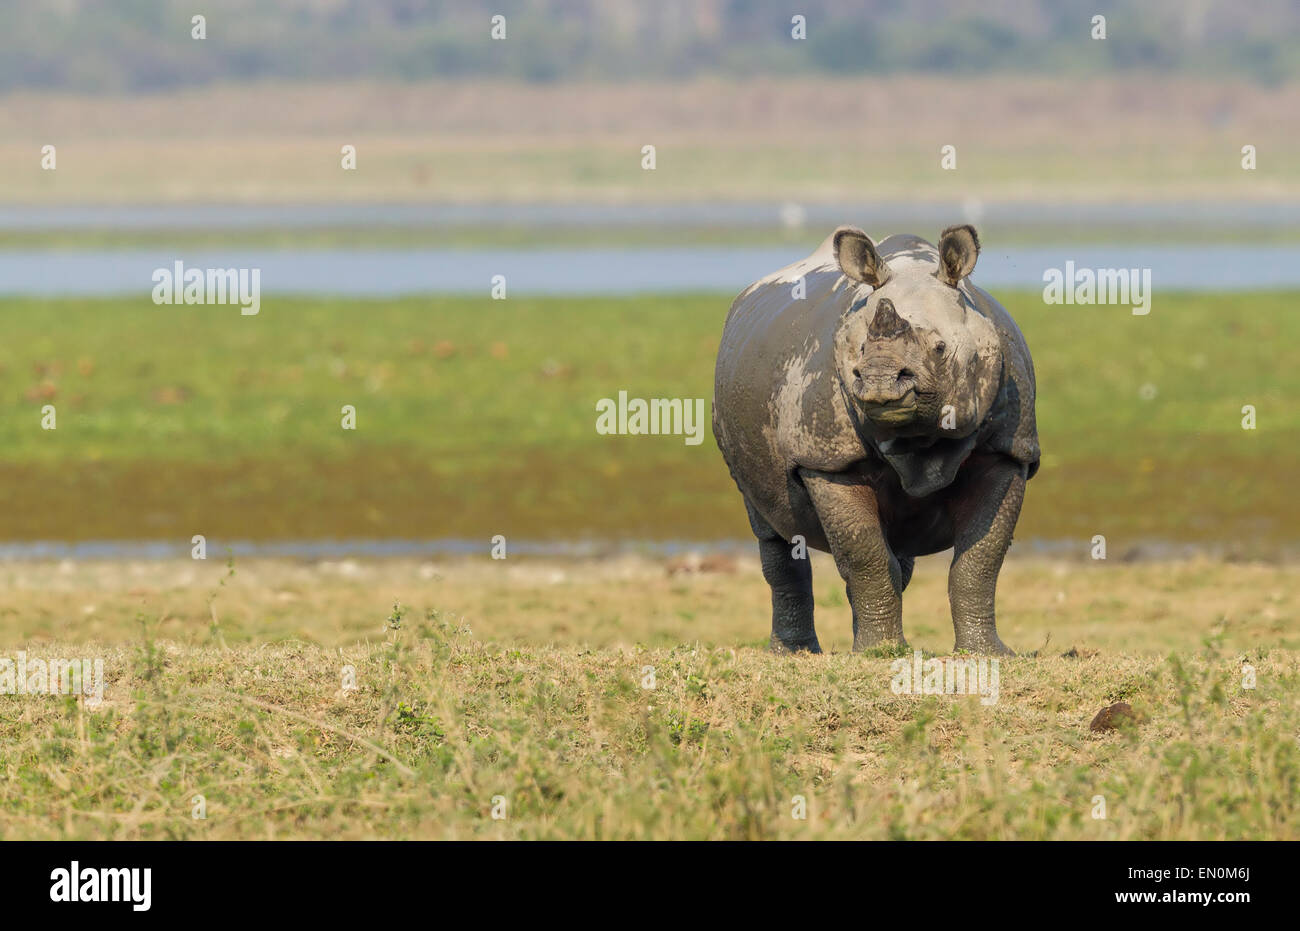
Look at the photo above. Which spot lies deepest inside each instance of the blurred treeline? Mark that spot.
(143, 45)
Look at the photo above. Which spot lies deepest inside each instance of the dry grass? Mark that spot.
(524, 680)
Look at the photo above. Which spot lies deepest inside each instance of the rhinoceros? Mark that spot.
(872, 401)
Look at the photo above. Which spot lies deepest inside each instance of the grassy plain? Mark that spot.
(525, 680)
(477, 417)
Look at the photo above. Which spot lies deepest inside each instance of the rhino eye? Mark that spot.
(939, 347)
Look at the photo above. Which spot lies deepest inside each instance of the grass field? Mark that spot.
(626, 697)
(520, 685)
(477, 417)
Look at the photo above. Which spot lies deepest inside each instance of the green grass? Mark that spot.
(443, 729)
(526, 681)
(477, 417)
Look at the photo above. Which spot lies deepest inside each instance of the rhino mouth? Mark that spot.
(891, 410)
(889, 401)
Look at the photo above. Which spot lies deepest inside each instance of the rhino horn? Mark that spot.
(887, 324)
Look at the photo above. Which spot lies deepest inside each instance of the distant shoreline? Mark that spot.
(1022, 139)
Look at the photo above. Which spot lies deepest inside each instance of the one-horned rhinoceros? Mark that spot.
(871, 400)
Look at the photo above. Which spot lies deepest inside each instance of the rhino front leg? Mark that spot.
(984, 514)
(791, 583)
(851, 519)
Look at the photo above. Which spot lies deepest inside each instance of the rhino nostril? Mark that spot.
(857, 373)
(906, 373)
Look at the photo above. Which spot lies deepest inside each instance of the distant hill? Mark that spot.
(144, 45)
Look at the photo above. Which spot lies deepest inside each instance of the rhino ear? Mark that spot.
(959, 247)
(857, 257)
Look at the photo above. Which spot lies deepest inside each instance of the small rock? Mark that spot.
(1113, 717)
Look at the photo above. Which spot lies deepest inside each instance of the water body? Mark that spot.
(394, 272)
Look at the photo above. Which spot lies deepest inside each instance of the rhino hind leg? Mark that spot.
(791, 583)
(874, 578)
(905, 566)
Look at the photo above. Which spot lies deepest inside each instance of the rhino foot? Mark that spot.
(801, 645)
(890, 646)
(985, 643)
